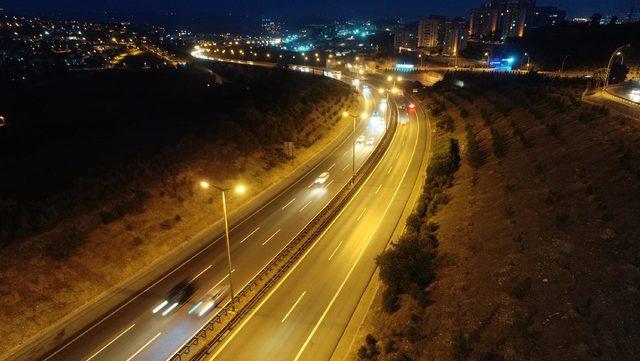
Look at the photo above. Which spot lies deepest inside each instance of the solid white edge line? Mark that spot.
(249, 235)
(292, 307)
(268, 239)
(200, 274)
(361, 214)
(334, 251)
(110, 342)
(305, 206)
(288, 203)
(143, 347)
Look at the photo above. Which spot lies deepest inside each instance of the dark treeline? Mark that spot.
(80, 140)
(585, 45)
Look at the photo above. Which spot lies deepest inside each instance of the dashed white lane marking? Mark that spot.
(334, 251)
(143, 347)
(110, 342)
(250, 234)
(292, 307)
(268, 239)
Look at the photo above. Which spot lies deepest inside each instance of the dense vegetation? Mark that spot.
(88, 140)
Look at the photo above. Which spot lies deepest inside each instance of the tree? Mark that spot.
(408, 263)
(618, 73)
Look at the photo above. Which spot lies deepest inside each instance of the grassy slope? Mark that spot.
(538, 256)
(33, 297)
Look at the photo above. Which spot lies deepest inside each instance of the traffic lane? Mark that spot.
(97, 337)
(311, 278)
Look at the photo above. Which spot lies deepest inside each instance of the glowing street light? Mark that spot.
(240, 189)
(617, 52)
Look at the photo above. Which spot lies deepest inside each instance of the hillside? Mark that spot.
(535, 254)
(99, 179)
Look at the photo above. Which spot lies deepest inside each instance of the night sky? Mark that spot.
(300, 8)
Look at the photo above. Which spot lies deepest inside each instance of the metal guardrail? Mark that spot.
(621, 98)
(212, 333)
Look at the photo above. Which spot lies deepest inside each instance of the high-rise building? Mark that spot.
(404, 39)
(455, 36)
(501, 19)
(431, 32)
(546, 16)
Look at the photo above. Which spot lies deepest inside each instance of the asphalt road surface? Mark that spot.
(134, 332)
(304, 316)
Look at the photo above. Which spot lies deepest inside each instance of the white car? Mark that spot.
(360, 139)
(370, 141)
(322, 178)
(383, 101)
(209, 301)
(375, 114)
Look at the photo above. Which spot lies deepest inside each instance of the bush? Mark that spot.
(61, 245)
(475, 155)
(414, 221)
(408, 262)
(445, 159)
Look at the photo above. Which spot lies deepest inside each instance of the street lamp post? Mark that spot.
(616, 52)
(353, 151)
(239, 189)
(528, 60)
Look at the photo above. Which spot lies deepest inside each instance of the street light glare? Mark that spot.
(389, 78)
(345, 114)
(364, 115)
(204, 185)
(240, 189)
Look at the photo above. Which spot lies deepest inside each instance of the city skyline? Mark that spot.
(199, 9)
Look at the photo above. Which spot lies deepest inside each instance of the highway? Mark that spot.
(304, 316)
(134, 332)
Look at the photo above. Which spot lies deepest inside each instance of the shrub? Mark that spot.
(414, 221)
(407, 262)
(475, 155)
(390, 346)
